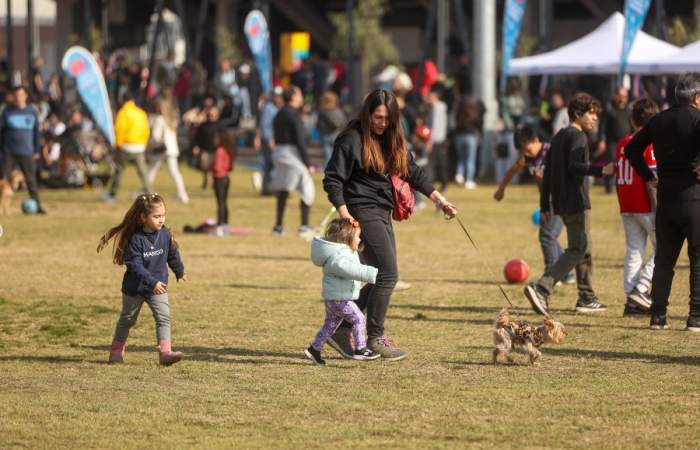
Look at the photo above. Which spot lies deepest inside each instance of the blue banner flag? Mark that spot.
(258, 35)
(80, 65)
(635, 13)
(512, 19)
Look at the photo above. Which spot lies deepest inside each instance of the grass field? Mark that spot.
(252, 304)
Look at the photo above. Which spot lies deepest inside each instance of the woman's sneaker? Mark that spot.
(633, 310)
(341, 342)
(537, 298)
(693, 324)
(658, 322)
(315, 356)
(385, 348)
(589, 306)
(365, 355)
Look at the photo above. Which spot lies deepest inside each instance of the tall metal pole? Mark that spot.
(484, 76)
(180, 6)
(545, 24)
(443, 33)
(462, 26)
(160, 5)
(203, 6)
(660, 16)
(105, 31)
(30, 35)
(351, 71)
(10, 45)
(87, 18)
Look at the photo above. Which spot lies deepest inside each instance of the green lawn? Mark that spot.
(252, 304)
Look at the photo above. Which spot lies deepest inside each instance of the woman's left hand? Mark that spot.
(448, 209)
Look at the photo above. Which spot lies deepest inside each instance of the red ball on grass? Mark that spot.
(516, 271)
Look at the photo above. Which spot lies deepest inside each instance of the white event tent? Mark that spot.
(686, 59)
(598, 52)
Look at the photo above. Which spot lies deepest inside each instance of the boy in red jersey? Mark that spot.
(637, 208)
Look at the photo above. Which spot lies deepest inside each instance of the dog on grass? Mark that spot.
(7, 190)
(508, 333)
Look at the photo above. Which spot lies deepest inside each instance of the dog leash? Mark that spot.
(503, 292)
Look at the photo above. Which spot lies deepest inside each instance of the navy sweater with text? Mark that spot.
(19, 131)
(147, 258)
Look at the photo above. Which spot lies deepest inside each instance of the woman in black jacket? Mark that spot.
(366, 153)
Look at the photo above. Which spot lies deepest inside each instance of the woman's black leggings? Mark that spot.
(221, 190)
(380, 252)
(282, 197)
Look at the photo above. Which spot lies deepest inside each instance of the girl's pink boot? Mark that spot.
(116, 353)
(166, 354)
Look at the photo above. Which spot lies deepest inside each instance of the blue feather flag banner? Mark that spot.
(635, 13)
(258, 35)
(512, 20)
(80, 65)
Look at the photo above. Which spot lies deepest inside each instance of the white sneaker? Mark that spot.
(470, 185)
(459, 178)
(402, 286)
(256, 179)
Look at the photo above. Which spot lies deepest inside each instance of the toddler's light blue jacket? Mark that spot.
(342, 269)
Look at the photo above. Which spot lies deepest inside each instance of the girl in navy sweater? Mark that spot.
(146, 247)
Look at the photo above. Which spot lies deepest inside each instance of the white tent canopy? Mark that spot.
(686, 59)
(598, 52)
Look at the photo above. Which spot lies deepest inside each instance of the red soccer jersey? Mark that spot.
(631, 189)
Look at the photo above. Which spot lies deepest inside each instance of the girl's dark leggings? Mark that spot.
(221, 190)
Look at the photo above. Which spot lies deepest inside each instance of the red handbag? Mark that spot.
(404, 200)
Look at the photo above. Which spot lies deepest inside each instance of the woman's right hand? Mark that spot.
(345, 214)
(159, 288)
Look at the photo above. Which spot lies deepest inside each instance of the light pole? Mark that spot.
(484, 76)
(10, 45)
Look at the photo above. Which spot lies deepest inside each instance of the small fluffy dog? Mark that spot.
(7, 189)
(507, 334)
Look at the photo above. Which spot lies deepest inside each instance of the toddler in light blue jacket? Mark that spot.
(336, 252)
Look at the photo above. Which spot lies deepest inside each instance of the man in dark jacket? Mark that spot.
(565, 190)
(675, 134)
(19, 141)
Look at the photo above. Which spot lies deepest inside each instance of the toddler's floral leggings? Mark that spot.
(336, 312)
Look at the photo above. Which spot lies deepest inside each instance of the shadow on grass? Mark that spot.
(44, 359)
(257, 257)
(264, 287)
(472, 309)
(475, 282)
(609, 355)
(471, 363)
(423, 318)
(222, 354)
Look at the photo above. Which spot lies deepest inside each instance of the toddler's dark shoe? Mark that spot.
(365, 355)
(693, 324)
(315, 356)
